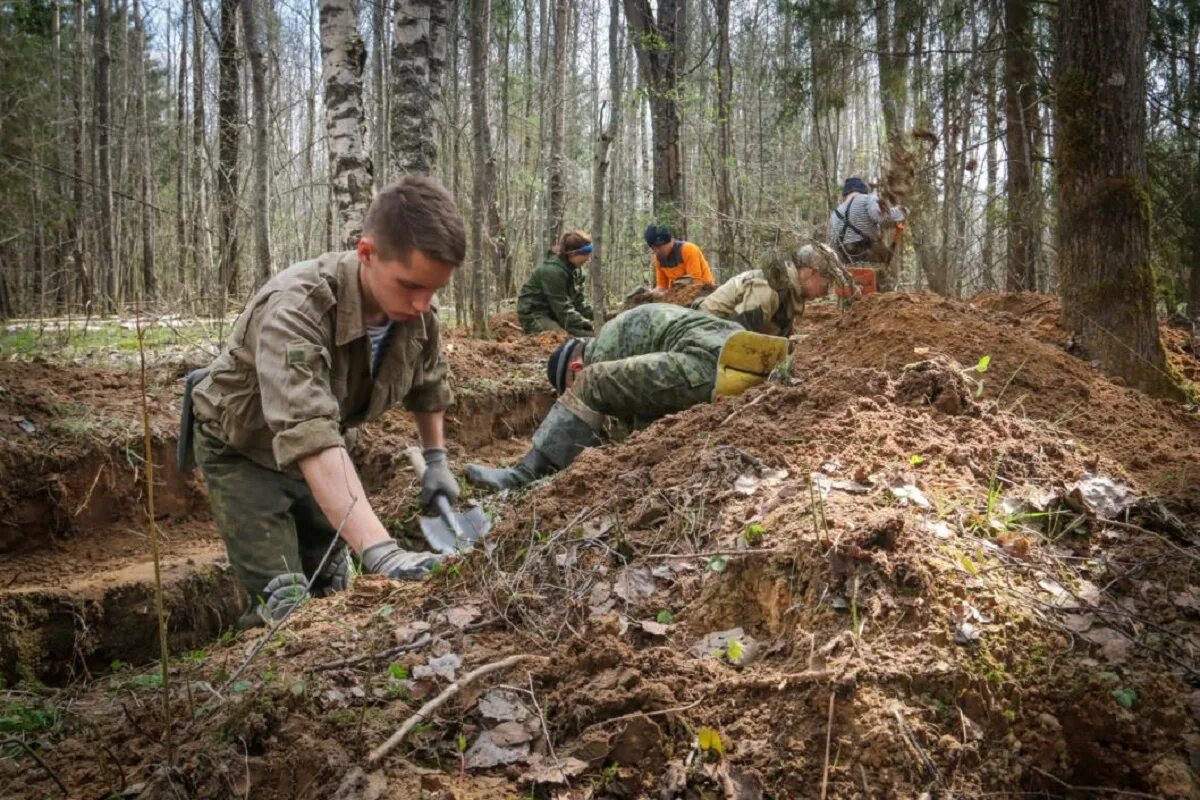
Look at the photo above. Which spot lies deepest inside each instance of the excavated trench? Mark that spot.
(76, 572)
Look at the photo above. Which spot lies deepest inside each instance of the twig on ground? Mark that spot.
(1090, 789)
(707, 553)
(631, 715)
(915, 748)
(545, 728)
(777, 681)
(33, 754)
(740, 409)
(828, 742)
(382, 655)
(433, 705)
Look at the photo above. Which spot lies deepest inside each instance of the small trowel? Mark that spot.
(450, 531)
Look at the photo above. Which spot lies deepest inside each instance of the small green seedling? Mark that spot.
(398, 671)
(717, 564)
(665, 617)
(980, 368)
(916, 460)
(753, 534)
(709, 741)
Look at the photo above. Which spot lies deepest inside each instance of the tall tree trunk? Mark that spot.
(228, 129)
(343, 56)
(660, 55)
(1022, 123)
(107, 234)
(555, 190)
(418, 58)
(604, 140)
(379, 136)
(182, 160)
(991, 131)
(480, 24)
(727, 238)
(1104, 214)
(201, 241)
(82, 282)
(252, 33)
(149, 275)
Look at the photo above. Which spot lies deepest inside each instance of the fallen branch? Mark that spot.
(353, 661)
(828, 742)
(1092, 789)
(632, 714)
(778, 681)
(710, 553)
(433, 705)
(33, 754)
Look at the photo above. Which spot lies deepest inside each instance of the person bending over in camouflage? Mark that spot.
(323, 347)
(771, 300)
(647, 362)
(552, 299)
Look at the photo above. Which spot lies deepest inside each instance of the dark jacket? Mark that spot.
(555, 290)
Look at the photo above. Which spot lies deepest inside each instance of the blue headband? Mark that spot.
(583, 251)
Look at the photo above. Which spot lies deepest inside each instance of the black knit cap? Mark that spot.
(560, 361)
(855, 185)
(657, 234)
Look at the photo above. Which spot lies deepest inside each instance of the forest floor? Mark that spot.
(886, 575)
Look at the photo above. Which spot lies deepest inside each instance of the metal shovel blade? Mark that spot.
(453, 532)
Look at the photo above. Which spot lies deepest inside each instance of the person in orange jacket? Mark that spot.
(675, 258)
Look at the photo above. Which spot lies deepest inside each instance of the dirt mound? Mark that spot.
(827, 581)
(680, 294)
(1156, 443)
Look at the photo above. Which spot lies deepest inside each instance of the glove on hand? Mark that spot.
(335, 577)
(386, 558)
(282, 594)
(438, 479)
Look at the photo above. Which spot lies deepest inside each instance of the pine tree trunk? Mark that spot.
(727, 239)
(343, 56)
(480, 24)
(555, 190)
(418, 58)
(251, 31)
(148, 217)
(659, 59)
(81, 279)
(1104, 214)
(1022, 123)
(992, 131)
(228, 124)
(107, 234)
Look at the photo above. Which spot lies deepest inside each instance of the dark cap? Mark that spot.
(657, 234)
(560, 361)
(855, 185)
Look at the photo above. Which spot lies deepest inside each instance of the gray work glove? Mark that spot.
(335, 577)
(386, 558)
(282, 594)
(438, 479)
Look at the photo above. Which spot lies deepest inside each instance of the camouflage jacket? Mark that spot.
(555, 290)
(295, 372)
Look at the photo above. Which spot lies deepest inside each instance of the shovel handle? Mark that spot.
(417, 460)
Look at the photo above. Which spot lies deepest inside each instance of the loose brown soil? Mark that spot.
(910, 624)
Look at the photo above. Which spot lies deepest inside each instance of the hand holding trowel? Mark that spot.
(450, 531)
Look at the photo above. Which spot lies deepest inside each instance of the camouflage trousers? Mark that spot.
(539, 324)
(641, 389)
(270, 521)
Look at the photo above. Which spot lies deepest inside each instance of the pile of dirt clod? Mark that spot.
(863, 578)
(680, 294)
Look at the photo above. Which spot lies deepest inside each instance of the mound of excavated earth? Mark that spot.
(876, 578)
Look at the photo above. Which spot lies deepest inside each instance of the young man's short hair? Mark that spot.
(417, 213)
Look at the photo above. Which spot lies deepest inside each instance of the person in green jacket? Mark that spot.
(653, 360)
(552, 299)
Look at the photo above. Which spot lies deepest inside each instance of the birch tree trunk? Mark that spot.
(555, 190)
(107, 235)
(343, 56)
(149, 276)
(201, 249)
(252, 33)
(418, 59)
(1104, 222)
(228, 134)
(379, 138)
(604, 140)
(181, 144)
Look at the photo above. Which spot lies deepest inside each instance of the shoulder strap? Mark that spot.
(846, 223)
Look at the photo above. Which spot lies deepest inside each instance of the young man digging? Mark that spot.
(323, 347)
